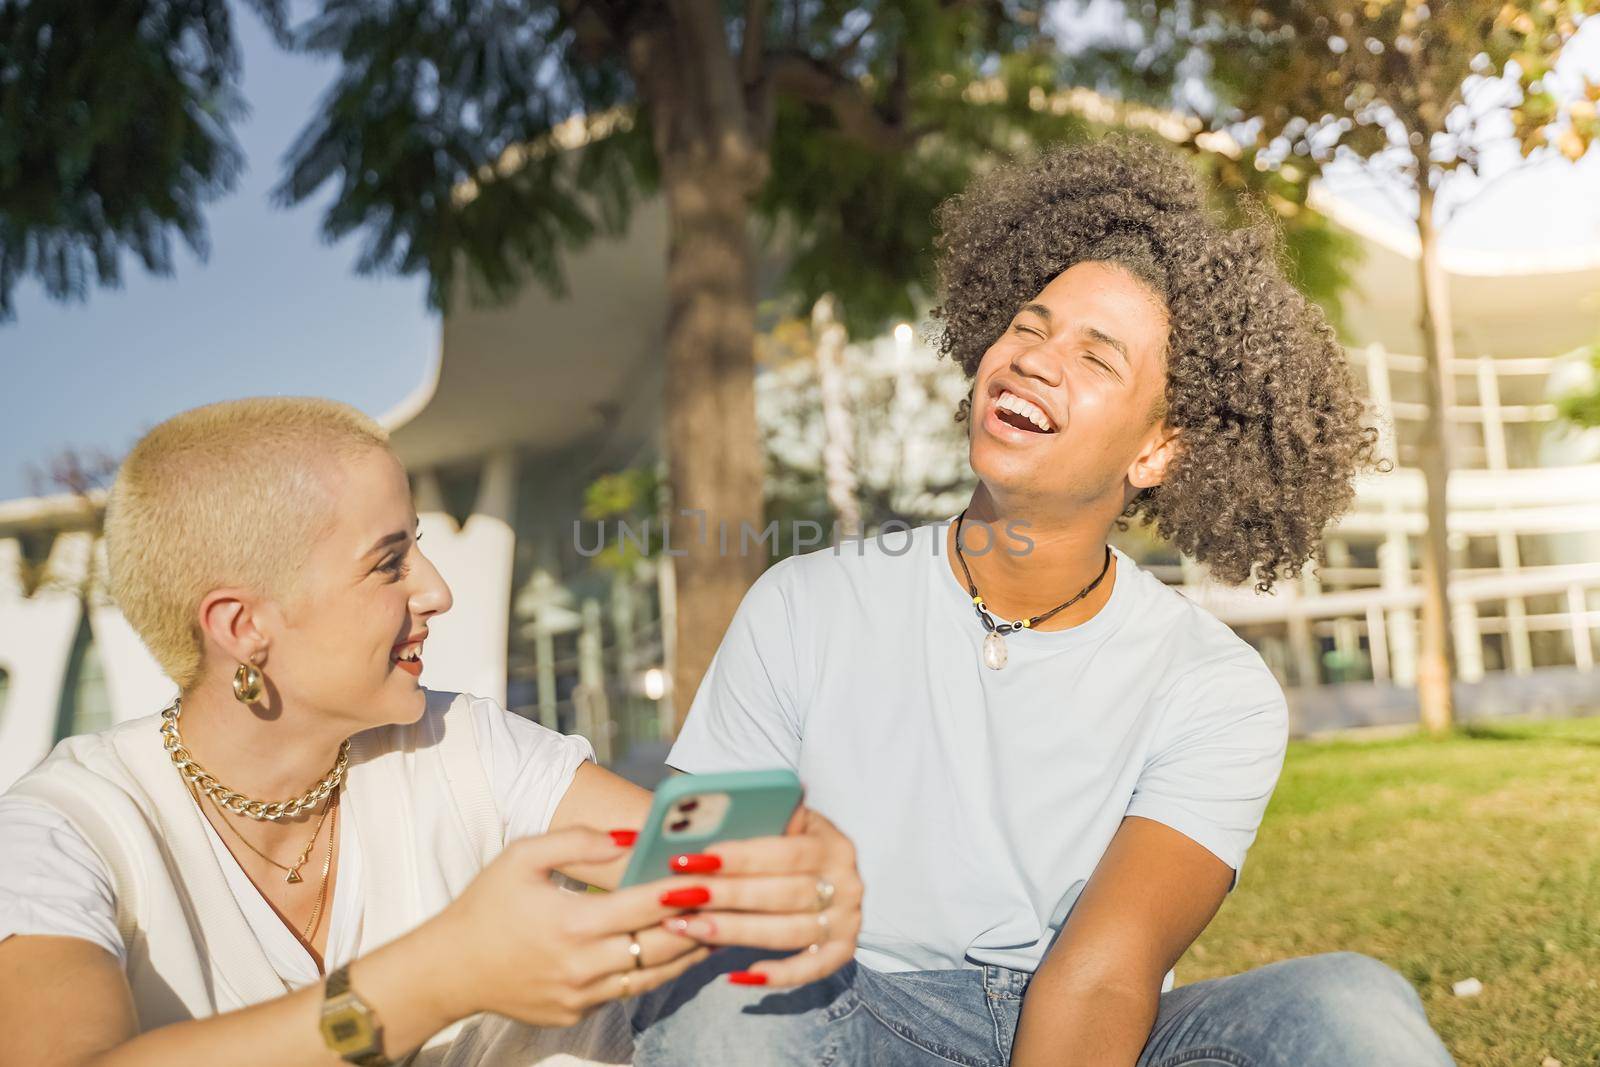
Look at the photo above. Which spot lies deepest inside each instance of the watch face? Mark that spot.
(347, 1028)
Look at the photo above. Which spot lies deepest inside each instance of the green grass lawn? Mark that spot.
(1474, 856)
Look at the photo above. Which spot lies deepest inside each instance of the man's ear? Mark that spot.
(1149, 468)
(228, 624)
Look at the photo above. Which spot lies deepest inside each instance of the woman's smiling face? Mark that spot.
(349, 642)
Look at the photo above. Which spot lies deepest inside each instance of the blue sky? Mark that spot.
(275, 310)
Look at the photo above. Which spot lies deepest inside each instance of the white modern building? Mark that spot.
(1524, 497)
(530, 403)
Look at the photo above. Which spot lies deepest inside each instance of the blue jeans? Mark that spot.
(1337, 1010)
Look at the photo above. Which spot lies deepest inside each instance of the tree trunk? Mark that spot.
(714, 454)
(838, 431)
(710, 170)
(1435, 665)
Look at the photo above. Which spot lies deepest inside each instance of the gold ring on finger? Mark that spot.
(824, 893)
(627, 984)
(824, 922)
(636, 950)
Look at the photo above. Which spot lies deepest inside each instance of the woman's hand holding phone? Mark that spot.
(515, 944)
(800, 893)
(519, 946)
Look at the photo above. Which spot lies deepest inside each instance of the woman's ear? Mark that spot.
(228, 624)
(1149, 469)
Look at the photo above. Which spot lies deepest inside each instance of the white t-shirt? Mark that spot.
(980, 801)
(53, 883)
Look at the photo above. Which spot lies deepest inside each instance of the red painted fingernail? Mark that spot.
(692, 897)
(747, 978)
(624, 838)
(695, 863)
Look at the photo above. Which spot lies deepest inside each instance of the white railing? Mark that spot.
(1489, 415)
(1377, 613)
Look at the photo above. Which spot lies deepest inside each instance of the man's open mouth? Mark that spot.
(1013, 410)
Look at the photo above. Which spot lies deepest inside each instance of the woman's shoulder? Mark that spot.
(526, 766)
(455, 725)
(498, 730)
(53, 882)
(96, 760)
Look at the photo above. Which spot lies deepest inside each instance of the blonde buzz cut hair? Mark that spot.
(230, 494)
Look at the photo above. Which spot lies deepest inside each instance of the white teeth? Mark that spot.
(1026, 408)
(412, 652)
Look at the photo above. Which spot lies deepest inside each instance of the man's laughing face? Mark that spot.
(1064, 403)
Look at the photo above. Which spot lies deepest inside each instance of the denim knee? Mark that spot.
(1355, 1004)
(701, 1018)
(1350, 981)
(1341, 1009)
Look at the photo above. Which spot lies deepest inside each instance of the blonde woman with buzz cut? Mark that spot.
(308, 858)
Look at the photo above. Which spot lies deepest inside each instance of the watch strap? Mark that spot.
(338, 983)
(337, 986)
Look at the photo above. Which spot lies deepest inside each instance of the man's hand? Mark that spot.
(799, 892)
(1094, 998)
(768, 892)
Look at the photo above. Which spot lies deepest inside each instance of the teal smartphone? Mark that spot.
(693, 811)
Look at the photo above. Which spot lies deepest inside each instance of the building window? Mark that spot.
(85, 701)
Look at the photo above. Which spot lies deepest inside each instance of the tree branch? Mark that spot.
(710, 61)
(597, 34)
(759, 112)
(754, 48)
(847, 51)
(805, 78)
(900, 85)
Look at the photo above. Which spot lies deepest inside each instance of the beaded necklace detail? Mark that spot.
(994, 644)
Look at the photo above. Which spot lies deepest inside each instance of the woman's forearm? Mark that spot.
(601, 800)
(406, 983)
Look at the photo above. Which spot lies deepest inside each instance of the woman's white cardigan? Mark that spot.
(190, 950)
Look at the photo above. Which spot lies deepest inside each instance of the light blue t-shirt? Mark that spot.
(980, 801)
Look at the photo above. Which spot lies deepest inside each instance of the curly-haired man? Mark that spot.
(1051, 763)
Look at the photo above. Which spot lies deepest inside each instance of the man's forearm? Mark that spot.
(1069, 1021)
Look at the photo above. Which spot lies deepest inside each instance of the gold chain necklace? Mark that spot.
(238, 803)
(294, 871)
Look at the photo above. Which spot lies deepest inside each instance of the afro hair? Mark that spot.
(1270, 428)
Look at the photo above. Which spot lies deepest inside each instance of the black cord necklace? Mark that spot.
(994, 645)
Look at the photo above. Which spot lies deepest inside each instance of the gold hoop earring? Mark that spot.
(247, 683)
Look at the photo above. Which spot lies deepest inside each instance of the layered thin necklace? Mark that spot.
(994, 643)
(294, 872)
(225, 800)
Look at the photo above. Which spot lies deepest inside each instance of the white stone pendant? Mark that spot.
(994, 651)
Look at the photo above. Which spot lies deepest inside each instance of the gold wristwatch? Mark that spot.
(349, 1026)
